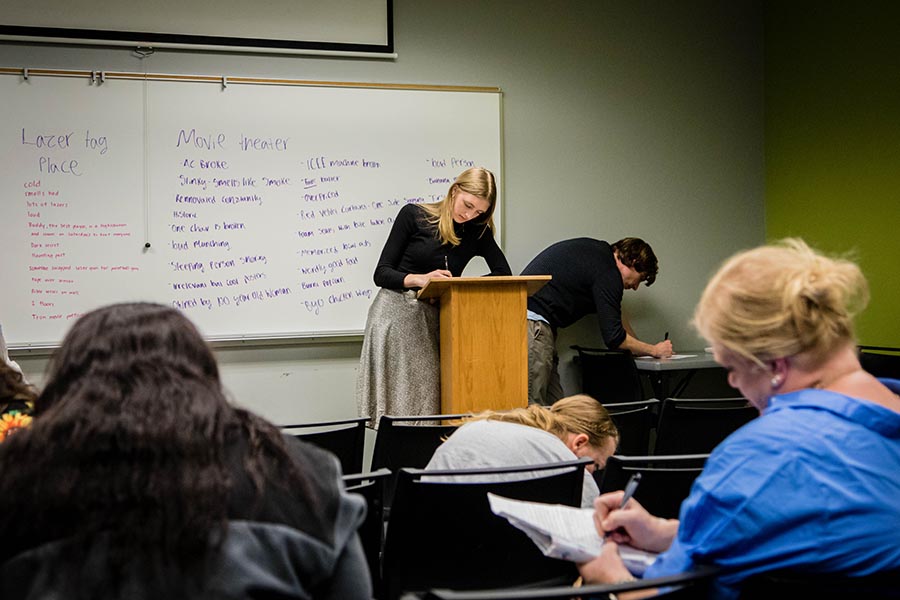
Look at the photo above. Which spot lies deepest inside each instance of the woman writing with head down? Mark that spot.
(574, 427)
(812, 485)
(399, 371)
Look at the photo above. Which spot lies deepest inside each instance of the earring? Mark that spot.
(776, 381)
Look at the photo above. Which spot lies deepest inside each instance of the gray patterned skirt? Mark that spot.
(400, 365)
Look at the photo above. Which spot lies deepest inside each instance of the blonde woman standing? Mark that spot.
(399, 370)
(573, 427)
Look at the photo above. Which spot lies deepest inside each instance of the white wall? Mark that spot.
(622, 117)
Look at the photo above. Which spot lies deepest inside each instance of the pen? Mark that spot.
(630, 487)
(667, 336)
(446, 263)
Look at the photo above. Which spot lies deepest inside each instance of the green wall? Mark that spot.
(832, 130)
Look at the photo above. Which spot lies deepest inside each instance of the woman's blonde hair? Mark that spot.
(574, 414)
(477, 181)
(781, 300)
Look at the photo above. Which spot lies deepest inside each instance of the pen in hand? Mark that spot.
(630, 488)
(667, 336)
(446, 263)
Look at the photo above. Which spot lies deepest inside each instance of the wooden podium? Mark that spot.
(484, 340)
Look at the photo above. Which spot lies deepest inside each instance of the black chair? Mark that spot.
(635, 422)
(704, 383)
(665, 480)
(403, 441)
(697, 425)
(345, 438)
(689, 586)
(443, 533)
(880, 361)
(371, 533)
(793, 584)
(610, 376)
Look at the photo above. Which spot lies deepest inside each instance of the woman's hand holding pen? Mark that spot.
(419, 280)
(620, 519)
(608, 566)
(632, 524)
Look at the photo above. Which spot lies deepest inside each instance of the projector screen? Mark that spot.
(279, 26)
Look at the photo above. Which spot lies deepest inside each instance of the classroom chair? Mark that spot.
(635, 422)
(795, 584)
(609, 376)
(371, 533)
(408, 441)
(704, 383)
(698, 425)
(665, 480)
(345, 438)
(880, 361)
(683, 586)
(443, 533)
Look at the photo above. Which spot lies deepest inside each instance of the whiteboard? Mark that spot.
(258, 210)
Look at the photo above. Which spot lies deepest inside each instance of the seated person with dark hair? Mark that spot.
(139, 480)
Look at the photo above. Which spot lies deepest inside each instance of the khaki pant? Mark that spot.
(544, 386)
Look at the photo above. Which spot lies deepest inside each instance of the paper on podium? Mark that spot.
(564, 532)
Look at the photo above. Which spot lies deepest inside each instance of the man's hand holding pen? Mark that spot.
(664, 348)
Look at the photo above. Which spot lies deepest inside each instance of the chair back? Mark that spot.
(371, 533)
(793, 584)
(443, 533)
(665, 480)
(345, 438)
(710, 382)
(403, 441)
(610, 376)
(698, 425)
(880, 361)
(635, 422)
(689, 585)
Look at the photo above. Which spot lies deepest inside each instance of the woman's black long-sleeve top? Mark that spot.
(413, 247)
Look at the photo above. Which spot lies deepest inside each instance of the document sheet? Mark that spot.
(564, 532)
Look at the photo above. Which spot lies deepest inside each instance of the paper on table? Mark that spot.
(673, 357)
(564, 532)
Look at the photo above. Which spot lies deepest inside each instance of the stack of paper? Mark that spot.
(564, 531)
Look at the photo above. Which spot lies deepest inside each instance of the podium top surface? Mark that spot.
(436, 287)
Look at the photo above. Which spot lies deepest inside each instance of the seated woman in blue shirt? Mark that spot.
(812, 484)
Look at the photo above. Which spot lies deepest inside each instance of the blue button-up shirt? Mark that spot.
(813, 483)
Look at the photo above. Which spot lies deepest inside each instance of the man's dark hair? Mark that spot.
(637, 254)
